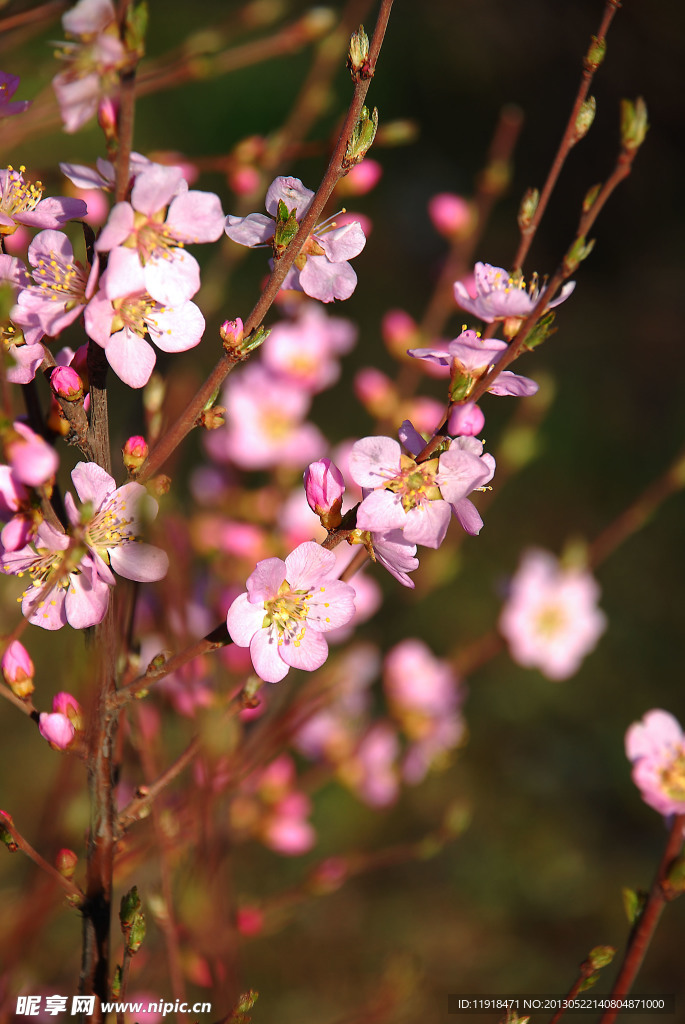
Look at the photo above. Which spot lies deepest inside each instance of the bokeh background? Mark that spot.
(557, 828)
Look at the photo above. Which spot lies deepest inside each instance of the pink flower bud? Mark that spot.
(17, 532)
(361, 178)
(244, 180)
(328, 876)
(231, 332)
(64, 704)
(451, 215)
(66, 383)
(56, 729)
(108, 115)
(249, 920)
(375, 391)
(18, 670)
(466, 420)
(135, 452)
(324, 486)
(400, 332)
(65, 862)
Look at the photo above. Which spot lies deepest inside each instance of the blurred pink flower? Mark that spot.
(551, 620)
(304, 351)
(656, 747)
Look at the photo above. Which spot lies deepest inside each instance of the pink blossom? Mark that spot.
(286, 829)
(92, 61)
(656, 747)
(8, 86)
(61, 589)
(56, 729)
(321, 269)
(103, 175)
(62, 285)
(21, 202)
(264, 425)
(305, 350)
(372, 771)
(469, 357)
(67, 705)
(417, 498)
(287, 609)
(158, 235)
(551, 619)
(451, 214)
(498, 295)
(396, 554)
(122, 314)
(111, 523)
(24, 354)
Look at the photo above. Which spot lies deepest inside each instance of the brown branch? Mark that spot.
(569, 137)
(645, 926)
(137, 807)
(71, 889)
(334, 172)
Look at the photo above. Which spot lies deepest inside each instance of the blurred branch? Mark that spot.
(72, 890)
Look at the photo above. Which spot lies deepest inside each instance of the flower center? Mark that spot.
(17, 196)
(52, 274)
(550, 621)
(673, 777)
(110, 528)
(416, 482)
(152, 237)
(137, 313)
(288, 612)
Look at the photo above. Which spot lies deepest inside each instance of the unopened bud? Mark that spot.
(249, 920)
(324, 486)
(66, 383)
(634, 124)
(400, 332)
(363, 134)
(586, 116)
(65, 862)
(132, 920)
(6, 836)
(212, 419)
(64, 704)
(18, 670)
(376, 392)
(452, 215)
(231, 333)
(108, 118)
(590, 197)
(358, 55)
(529, 205)
(135, 452)
(579, 251)
(600, 956)
(160, 485)
(595, 54)
(466, 420)
(56, 729)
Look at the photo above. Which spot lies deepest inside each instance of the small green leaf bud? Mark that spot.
(6, 836)
(363, 134)
(116, 981)
(634, 124)
(595, 54)
(601, 956)
(633, 904)
(542, 331)
(286, 229)
(358, 55)
(579, 251)
(132, 920)
(529, 205)
(586, 116)
(135, 27)
(461, 387)
(674, 883)
(590, 197)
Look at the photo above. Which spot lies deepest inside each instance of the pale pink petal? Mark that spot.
(87, 599)
(264, 582)
(119, 226)
(178, 329)
(374, 460)
(196, 217)
(292, 192)
(255, 229)
(307, 565)
(124, 274)
(309, 654)
(92, 483)
(142, 562)
(175, 280)
(343, 243)
(327, 281)
(244, 620)
(154, 188)
(131, 358)
(427, 523)
(468, 516)
(381, 511)
(266, 659)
